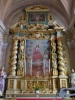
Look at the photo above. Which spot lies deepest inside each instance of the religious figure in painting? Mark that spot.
(28, 59)
(3, 76)
(37, 17)
(37, 54)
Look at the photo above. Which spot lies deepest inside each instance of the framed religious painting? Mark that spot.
(37, 57)
(37, 17)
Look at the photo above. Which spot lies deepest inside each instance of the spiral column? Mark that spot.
(61, 60)
(14, 56)
(54, 62)
(54, 55)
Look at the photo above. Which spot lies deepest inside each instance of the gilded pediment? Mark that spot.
(37, 8)
(41, 19)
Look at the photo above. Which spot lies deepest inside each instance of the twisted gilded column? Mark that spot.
(54, 62)
(14, 56)
(54, 54)
(61, 60)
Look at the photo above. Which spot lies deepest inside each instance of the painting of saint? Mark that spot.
(37, 57)
(37, 53)
(37, 17)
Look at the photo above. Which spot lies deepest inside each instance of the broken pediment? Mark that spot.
(41, 19)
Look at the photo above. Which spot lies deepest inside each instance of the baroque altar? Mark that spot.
(37, 55)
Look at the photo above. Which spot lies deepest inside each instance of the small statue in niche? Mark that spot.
(20, 70)
(3, 76)
(20, 63)
(51, 23)
(22, 46)
(23, 22)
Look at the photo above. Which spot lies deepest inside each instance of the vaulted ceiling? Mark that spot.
(63, 9)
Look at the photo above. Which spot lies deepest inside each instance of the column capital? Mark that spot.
(53, 35)
(59, 34)
(52, 31)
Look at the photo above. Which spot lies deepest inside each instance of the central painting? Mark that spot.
(37, 57)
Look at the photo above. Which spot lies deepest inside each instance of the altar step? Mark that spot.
(16, 99)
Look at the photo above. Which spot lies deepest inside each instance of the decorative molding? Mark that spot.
(36, 8)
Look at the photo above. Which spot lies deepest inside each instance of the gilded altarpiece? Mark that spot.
(37, 57)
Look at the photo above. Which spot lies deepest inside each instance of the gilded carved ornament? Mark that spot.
(37, 35)
(37, 8)
(35, 31)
